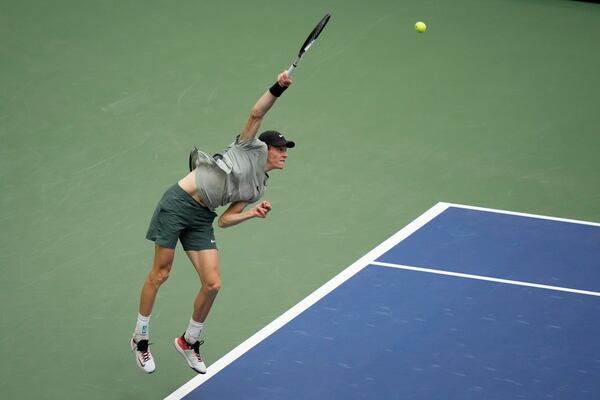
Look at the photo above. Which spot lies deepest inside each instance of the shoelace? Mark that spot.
(196, 347)
(142, 347)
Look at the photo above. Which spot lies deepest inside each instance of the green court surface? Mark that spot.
(495, 105)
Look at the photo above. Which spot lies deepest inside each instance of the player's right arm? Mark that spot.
(262, 106)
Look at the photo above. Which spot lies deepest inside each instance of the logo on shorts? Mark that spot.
(212, 241)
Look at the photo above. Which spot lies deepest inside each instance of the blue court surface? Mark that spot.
(463, 303)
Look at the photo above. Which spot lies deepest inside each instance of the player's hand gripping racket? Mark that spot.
(309, 42)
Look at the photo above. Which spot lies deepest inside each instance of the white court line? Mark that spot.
(520, 214)
(341, 278)
(486, 278)
(308, 301)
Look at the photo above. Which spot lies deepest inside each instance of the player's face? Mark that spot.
(276, 157)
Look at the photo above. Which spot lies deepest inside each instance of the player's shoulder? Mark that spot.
(249, 143)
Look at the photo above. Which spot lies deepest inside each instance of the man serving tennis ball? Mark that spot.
(238, 177)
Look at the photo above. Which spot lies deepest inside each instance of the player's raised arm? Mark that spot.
(264, 104)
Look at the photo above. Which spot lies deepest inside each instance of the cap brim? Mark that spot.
(289, 144)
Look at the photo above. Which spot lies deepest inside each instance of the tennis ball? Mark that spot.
(420, 27)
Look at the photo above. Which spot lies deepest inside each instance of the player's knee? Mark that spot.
(159, 276)
(212, 286)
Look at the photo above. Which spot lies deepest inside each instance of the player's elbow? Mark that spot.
(222, 223)
(257, 113)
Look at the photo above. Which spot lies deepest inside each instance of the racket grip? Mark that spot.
(291, 69)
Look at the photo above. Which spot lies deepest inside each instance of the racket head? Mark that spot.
(314, 34)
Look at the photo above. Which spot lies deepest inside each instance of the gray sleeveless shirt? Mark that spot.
(237, 174)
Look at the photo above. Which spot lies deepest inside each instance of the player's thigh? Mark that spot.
(163, 258)
(207, 265)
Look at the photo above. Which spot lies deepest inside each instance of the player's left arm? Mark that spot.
(235, 213)
(262, 106)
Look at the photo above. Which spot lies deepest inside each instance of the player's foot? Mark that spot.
(191, 354)
(143, 357)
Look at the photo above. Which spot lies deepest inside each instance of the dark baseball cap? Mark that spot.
(274, 138)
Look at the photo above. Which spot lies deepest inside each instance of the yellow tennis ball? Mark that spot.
(420, 27)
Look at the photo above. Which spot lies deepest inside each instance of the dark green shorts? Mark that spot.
(179, 216)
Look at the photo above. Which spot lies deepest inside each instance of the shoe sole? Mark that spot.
(184, 357)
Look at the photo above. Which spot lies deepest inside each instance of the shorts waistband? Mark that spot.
(183, 195)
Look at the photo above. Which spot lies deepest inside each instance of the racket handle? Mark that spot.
(291, 69)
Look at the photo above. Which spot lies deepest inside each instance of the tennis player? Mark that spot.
(238, 177)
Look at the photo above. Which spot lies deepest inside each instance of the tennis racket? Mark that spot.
(309, 42)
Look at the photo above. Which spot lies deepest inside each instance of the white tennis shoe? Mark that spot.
(143, 357)
(191, 354)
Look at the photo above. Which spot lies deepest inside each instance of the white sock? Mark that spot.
(193, 331)
(141, 328)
